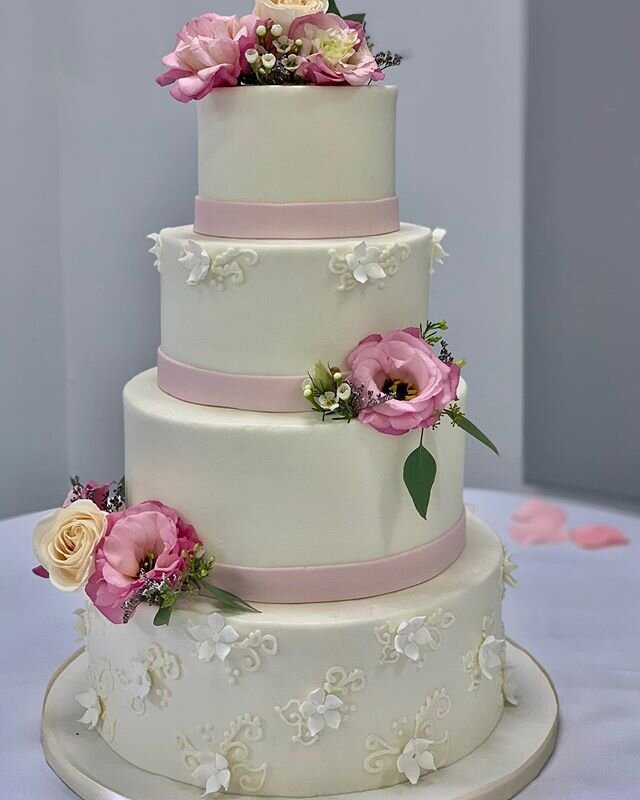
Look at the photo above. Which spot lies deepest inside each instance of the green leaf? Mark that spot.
(357, 18)
(228, 600)
(163, 616)
(333, 8)
(419, 476)
(462, 422)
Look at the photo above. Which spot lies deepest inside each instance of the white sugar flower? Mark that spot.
(137, 679)
(81, 623)
(438, 253)
(344, 392)
(364, 263)
(508, 568)
(268, 61)
(92, 704)
(156, 249)
(321, 709)
(252, 56)
(213, 775)
(490, 657)
(197, 261)
(214, 639)
(411, 636)
(415, 758)
(328, 401)
(509, 687)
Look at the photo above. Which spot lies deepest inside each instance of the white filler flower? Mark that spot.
(214, 639)
(320, 710)
(416, 758)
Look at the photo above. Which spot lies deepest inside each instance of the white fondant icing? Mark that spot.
(289, 313)
(387, 704)
(258, 489)
(238, 162)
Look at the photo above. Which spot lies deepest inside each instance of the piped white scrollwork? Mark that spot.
(230, 265)
(235, 748)
(386, 755)
(102, 683)
(430, 629)
(217, 641)
(145, 680)
(325, 707)
(365, 265)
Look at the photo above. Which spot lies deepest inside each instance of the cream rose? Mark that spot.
(285, 11)
(65, 542)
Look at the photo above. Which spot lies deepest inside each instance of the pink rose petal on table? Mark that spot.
(598, 537)
(538, 522)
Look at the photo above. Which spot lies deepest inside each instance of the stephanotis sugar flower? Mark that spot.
(123, 557)
(396, 383)
(209, 53)
(334, 51)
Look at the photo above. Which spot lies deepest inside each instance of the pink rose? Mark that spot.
(97, 492)
(209, 53)
(404, 364)
(334, 51)
(148, 538)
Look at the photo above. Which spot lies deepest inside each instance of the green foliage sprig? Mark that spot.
(165, 593)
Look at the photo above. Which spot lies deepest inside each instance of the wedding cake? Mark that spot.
(289, 598)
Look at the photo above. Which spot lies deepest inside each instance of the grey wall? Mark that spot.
(582, 255)
(104, 157)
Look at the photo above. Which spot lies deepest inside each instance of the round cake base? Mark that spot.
(508, 761)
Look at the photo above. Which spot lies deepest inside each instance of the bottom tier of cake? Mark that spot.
(312, 699)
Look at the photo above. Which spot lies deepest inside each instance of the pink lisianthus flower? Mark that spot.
(209, 53)
(334, 51)
(141, 543)
(97, 492)
(404, 365)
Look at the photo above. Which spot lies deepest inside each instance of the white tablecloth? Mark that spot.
(577, 611)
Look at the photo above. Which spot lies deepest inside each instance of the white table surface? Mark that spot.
(577, 611)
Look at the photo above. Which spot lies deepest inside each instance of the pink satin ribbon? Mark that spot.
(296, 220)
(244, 392)
(344, 581)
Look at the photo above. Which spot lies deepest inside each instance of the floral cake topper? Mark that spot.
(396, 383)
(123, 557)
(283, 42)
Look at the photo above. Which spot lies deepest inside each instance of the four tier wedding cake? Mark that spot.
(289, 597)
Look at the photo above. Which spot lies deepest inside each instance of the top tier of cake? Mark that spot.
(297, 162)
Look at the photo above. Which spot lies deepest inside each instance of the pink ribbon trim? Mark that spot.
(296, 220)
(344, 581)
(225, 390)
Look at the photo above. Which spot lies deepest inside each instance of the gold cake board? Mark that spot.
(508, 761)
